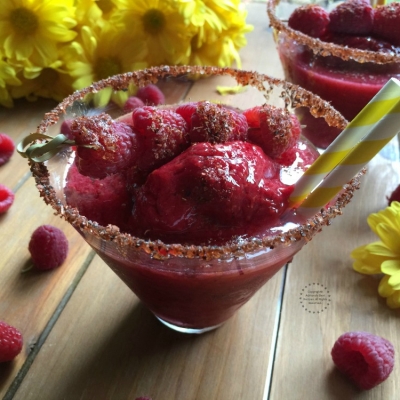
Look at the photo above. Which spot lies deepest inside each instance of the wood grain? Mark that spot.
(305, 338)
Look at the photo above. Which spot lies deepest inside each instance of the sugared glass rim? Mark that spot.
(157, 249)
(322, 48)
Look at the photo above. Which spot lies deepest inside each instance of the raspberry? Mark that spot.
(395, 196)
(271, 128)
(6, 198)
(151, 95)
(309, 19)
(353, 17)
(215, 123)
(48, 247)
(65, 128)
(132, 103)
(186, 111)
(6, 148)
(162, 134)
(114, 145)
(205, 192)
(10, 342)
(105, 201)
(365, 358)
(387, 23)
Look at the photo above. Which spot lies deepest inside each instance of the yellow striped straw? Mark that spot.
(376, 124)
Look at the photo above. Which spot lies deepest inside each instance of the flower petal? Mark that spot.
(393, 301)
(384, 289)
(389, 236)
(390, 267)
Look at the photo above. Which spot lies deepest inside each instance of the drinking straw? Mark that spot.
(376, 124)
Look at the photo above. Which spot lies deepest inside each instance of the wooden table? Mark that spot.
(86, 336)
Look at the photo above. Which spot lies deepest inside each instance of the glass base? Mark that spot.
(188, 330)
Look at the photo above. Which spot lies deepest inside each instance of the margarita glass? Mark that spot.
(346, 77)
(190, 288)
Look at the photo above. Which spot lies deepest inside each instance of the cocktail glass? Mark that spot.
(346, 77)
(189, 288)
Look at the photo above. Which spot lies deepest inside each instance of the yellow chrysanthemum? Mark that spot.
(222, 34)
(383, 257)
(163, 29)
(8, 78)
(52, 82)
(97, 12)
(98, 56)
(31, 29)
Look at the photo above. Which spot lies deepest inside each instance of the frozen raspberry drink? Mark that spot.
(188, 203)
(344, 55)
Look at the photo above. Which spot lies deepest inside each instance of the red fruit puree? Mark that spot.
(190, 175)
(348, 86)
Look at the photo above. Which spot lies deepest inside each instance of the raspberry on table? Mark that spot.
(7, 147)
(215, 123)
(310, 19)
(365, 358)
(10, 342)
(132, 103)
(48, 247)
(113, 145)
(353, 17)
(387, 23)
(162, 134)
(151, 95)
(6, 198)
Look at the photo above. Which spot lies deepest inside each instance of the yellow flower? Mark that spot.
(31, 29)
(8, 78)
(95, 56)
(383, 257)
(52, 82)
(96, 12)
(222, 34)
(163, 29)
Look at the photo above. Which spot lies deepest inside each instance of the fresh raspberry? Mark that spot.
(161, 133)
(304, 155)
(205, 192)
(10, 342)
(387, 23)
(106, 201)
(309, 19)
(6, 198)
(114, 145)
(186, 111)
(7, 147)
(215, 123)
(65, 128)
(395, 196)
(48, 247)
(132, 103)
(365, 358)
(354, 17)
(272, 128)
(151, 95)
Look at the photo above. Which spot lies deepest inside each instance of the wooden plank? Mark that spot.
(303, 366)
(107, 345)
(18, 122)
(28, 300)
